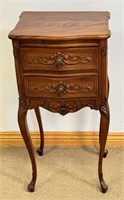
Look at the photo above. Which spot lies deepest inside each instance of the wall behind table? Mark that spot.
(85, 119)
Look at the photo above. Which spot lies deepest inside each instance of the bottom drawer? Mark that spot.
(61, 87)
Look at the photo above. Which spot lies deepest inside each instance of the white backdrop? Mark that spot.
(85, 119)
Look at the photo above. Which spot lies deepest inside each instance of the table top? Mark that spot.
(62, 25)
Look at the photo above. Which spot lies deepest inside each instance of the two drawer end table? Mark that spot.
(61, 65)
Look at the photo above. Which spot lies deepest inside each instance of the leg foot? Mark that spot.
(103, 184)
(105, 153)
(31, 185)
(40, 151)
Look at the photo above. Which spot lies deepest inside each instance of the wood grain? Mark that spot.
(62, 25)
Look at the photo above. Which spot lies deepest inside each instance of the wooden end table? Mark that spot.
(61, 65)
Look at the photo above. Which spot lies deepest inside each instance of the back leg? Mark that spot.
(38, 115)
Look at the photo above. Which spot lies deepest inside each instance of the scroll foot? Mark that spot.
(40, 151)
(103, 184)
(105, 153)
(31, 185)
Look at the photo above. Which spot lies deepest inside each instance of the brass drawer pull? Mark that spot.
(59, 62)
(60, 89)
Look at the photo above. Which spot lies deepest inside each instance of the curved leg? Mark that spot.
(104, 125)
(100, 132)
(40, 149)
(105, 151)
(22, 121)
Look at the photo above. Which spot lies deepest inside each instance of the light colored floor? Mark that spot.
(63, 174)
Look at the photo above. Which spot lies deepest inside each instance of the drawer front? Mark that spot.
(61, 87)
(63, 59)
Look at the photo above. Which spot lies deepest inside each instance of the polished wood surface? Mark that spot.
(61, 25)
(61, 65)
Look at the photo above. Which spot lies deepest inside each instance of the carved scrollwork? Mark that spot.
(22, 104)
(59, 59)
(65, 106)
(104, 108)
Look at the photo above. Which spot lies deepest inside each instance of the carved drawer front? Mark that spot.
(63, 59)
(61, 87)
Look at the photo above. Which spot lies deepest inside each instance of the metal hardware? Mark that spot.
(59, 62)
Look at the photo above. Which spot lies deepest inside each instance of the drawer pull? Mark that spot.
(59, 62)
(60, 89)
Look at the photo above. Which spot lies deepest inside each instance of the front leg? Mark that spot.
(104, 125)
(22, 121)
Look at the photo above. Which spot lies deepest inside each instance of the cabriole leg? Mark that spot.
(105, 151)
(22, 121)
(38, 115)
(104, 125)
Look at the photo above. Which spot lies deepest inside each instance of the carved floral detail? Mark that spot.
(59, 59)
(64, 106)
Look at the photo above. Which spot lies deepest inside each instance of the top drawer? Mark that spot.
(60, 59)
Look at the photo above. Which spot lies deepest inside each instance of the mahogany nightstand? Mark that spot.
(61, 65)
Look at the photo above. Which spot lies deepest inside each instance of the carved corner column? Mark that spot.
(22, 121)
